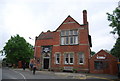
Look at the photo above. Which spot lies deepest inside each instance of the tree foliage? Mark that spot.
(92, 53)
(1, 52)
(116, 49)
(115, 21)
(115, 24)
(17, 49)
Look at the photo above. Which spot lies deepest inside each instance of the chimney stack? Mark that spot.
(84, 17)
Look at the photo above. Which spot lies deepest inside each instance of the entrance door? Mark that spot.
(46, 63)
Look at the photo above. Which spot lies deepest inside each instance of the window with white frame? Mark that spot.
(71, 58)
(81, 58)
(69, 37)
(57, 58)
(68, 58)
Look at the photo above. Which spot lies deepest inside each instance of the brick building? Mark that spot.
(104, 63)
(66, 48)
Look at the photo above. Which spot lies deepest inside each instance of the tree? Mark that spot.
(17, 49)
(115, 24)
(92, 53)
(115, 21)
(1, 52)
(116, 49)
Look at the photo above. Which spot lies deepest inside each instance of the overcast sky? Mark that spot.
(29, 18)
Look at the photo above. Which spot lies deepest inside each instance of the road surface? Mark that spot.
(9, 74)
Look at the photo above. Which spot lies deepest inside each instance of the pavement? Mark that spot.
(81, 75)
(85, 75)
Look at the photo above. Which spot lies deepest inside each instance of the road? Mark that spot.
(8, 73)
(21, 75)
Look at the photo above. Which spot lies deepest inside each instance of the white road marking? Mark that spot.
(20, 74)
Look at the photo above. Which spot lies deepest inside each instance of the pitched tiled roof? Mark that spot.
(45, 35)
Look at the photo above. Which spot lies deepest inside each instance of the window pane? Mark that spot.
(63, 33)
(66, 55)
(75, 39)
(75, 32)
(67, 32)
(98, 65)
(71, 32)
(71, 55)
(71, 60)
(80, 55)
(58, 55)
(67, 40)
(81, 58)
(62, 40)
(66, 60)
(71, 40)
(57, 58)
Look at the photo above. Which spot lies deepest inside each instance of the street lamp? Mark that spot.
(31, 38)
(34, 48)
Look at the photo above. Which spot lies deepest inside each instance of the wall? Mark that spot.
(109, 59)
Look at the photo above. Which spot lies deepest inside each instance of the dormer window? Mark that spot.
(69, 37)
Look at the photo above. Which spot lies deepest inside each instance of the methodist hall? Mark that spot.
(68, 49)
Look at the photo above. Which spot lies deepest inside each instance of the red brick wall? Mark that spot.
(111, 60)
(76, 50)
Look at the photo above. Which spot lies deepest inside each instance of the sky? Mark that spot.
(29, 18)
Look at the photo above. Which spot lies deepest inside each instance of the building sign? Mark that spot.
(46, 49)
(100, 57)
(68, 68)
